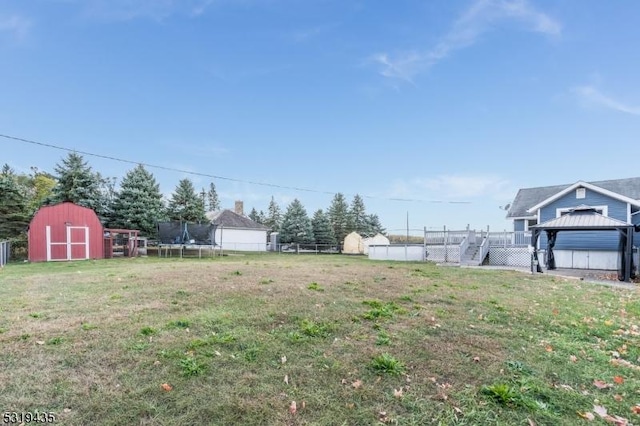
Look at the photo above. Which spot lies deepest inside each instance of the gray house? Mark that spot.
(580, 246)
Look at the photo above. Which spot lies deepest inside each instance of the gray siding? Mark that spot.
(579, 240)
(518, 225)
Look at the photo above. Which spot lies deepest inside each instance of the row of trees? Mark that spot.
(139, 204)
(329, 227)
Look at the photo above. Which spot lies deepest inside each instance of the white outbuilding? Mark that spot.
(237, 232)
(376, 240)
(353, 244)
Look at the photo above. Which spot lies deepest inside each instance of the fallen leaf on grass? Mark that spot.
(531, 422)
(357, 384)
(398, 393)
(573, 358)
(40, 342)
(286, 378)
(548, 348)
(167, 387)
(636, 409)
(616, 420)
(587, 416)
(618, 380)
(601, 384)
(618, 397)
(283, 359)
(623, 362)
(293, 408)
(476, 359)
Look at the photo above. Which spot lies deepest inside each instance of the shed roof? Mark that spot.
(529, 197)
(230, 219)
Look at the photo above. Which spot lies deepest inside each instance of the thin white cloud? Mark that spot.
(453, 187)
(456, 186)
(591, 96)
(158, 10)
(479, 18)
(15, 27)
(305, 34)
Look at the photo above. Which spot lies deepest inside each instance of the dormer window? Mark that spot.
(581, 193)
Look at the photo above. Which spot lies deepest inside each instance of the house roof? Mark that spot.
(527, 198)
(231, 219)
(583, 218)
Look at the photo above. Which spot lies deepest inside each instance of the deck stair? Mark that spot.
(471, 256)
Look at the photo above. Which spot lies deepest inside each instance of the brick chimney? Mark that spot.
(239, 209)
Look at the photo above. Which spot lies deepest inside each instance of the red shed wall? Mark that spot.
(58, 217)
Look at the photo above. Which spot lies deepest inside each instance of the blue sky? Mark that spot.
(435, 102)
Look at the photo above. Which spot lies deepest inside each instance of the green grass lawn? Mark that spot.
(346, 341)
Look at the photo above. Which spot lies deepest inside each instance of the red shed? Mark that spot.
(65, 231)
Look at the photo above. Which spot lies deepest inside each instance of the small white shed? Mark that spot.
(353, 244)
(376, 240)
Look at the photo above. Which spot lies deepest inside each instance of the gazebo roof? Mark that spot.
(583, 218)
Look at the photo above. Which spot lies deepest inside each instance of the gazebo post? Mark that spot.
(535, 262)
(629, 255)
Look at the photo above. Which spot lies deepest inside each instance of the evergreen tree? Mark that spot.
(203, 197)
(262, 218)
(254, 215)
(14, 214)
(374, 226)
(107, 196)
(273, 220)
(138, 204)
(322, 230)
(77, 183)
(185, 205)
(296, 226)
(339, 217)
(213, 203)
(357, 216)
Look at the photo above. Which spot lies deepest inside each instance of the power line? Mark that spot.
(189, 172)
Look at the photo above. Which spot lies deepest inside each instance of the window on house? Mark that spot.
(581, 193)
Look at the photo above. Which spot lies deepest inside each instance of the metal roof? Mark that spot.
(529, 197)
(231, 219)
(583, 219)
